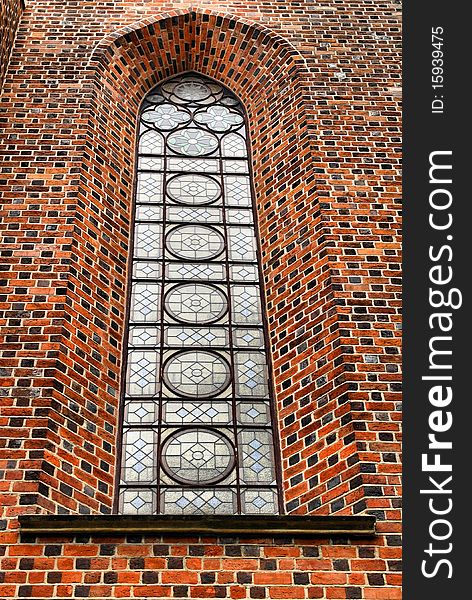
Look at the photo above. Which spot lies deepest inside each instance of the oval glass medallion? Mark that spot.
(195, 303)
(197, 373)
(195, 242)
(193, 189)
(192, 142)
(197, 456)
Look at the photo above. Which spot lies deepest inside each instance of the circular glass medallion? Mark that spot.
(192, 91)
(195, 303)
(193, 189)
(195, 242)
(197, 456)
(192, 142)
(197, 373)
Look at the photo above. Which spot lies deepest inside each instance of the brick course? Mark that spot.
(320, 84)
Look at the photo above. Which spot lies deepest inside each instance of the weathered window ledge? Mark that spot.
(254, 525)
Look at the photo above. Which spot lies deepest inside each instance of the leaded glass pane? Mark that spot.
(196, 303)
(242, 244)
(193, 189)
(256, 457)
(148, 212)
(144, 336)
(147, 240)
(165, 116)
(145, 302)
(141, 412)
(195, 242)
(251, 374)
(138, 501)
(205, 165)
(244, 337)
(151, 142)
(253, 413)
(244, 273)
(140, 459)
(246, 304)
(208, 412)
(196, 336)
(237, 190)
(199, 215)
(146, 270)
(201, 271)
(192, 142)
(234, 145)
(199, 455)
(259, 502)
(142, 373)
(197, 373)
(149, 187)
(235, 166)
(197, 414)
(188, 501)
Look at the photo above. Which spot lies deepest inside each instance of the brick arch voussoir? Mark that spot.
(122, 68)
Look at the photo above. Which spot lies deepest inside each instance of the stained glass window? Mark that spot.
(197, 417)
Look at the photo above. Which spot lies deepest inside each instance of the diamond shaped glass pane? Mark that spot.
(139, 456)
(245, 338)
(188, 501)
(138, 502)
(150, 163)
(196, 336)
(146, 270)
(141, 412)
(142, 374)
(203, 271)
(203, 165)
(242, 244)
(149, 187)
(246, 304)
(259, 502)
(145, 302)
(209, 412)
(244, 272)
(148, 240)
(256, 457)
(237, 190)
(253, 413)
(144, 336)
(251, 374)
(198, 215)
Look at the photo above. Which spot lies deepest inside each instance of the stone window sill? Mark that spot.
(252, 525)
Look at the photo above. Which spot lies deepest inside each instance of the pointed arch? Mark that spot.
(270, 77)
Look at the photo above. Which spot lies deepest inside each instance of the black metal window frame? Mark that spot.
(218, 226)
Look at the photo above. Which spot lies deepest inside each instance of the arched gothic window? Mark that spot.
(197, 413)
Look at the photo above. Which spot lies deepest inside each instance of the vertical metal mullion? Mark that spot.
(230, 329)
(161, 328)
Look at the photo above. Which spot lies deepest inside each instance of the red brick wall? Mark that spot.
(10, 13)
(320, 84)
